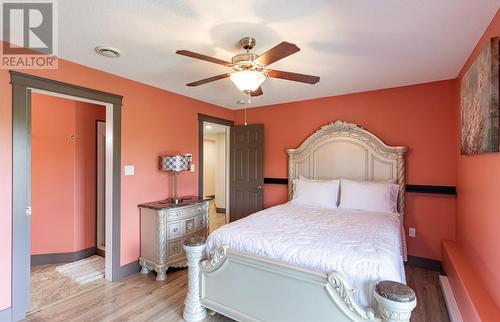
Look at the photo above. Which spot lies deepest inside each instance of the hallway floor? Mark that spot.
(215, 220)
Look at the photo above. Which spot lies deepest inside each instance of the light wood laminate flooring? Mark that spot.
(142, 298)
(48, 286)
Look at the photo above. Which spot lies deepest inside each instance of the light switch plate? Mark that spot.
(192, 167)
(129, 170)
(412, 232)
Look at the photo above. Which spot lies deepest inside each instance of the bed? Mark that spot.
(322, 240)
(296, 263)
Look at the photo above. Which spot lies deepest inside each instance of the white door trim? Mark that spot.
(101, 184)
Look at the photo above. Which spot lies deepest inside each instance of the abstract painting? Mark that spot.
(479, 103)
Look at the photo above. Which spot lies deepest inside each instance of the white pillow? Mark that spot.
(369, 196)
(315, 193)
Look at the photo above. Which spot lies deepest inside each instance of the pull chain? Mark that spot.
(248, 102)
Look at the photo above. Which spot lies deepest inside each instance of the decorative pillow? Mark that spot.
(315, 193)
(369, 196)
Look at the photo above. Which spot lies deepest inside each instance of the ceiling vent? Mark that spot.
(107, 51)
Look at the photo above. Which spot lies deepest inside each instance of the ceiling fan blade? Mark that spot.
(296, 77)
(257, 92)
(276, 53)
(208, 80)
(203, 57)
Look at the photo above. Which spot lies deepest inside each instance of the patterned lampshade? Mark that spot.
(175, 163)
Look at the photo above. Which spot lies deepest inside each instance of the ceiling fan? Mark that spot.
(249, 70)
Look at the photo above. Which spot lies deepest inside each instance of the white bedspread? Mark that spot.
(365, 247)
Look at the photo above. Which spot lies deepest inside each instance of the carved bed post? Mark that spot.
(401, 181)
(193, 310)
(395, 301)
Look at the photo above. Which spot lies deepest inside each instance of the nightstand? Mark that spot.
(164, 227)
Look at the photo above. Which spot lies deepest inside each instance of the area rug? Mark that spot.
(84, 271)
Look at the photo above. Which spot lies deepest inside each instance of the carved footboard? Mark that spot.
(252, 288)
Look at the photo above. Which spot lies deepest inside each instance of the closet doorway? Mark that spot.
(214, 168)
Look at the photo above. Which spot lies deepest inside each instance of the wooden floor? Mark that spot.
(48, 286)
(215, 220)
(142, 298)
(430, 300)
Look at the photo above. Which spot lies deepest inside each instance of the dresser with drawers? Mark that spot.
(164, 227)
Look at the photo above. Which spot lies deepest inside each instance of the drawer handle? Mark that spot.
(189, 226)
(201, 222)
(176, 230)
(176, 248)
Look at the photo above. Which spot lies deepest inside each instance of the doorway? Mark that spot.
(214, 168)
(23, 86)
(63, 198)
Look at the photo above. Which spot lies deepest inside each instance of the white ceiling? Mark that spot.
(353, 45)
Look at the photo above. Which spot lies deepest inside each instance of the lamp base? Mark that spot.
(174, 201)
(177, 200)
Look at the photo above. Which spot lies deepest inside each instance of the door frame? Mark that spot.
(22, 87)
(202, 118)
(98, 250)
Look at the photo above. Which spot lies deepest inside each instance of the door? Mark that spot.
(101, 188)
(246, 170)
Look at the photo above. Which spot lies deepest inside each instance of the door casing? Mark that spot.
(22, 87)
(100, 186)
(202, 118)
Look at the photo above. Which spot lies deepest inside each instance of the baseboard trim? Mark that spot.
(56, 258)
(6, 315)
(100, 252)
(128, 269)
(449, 299)
(220, 210)
(427, 263)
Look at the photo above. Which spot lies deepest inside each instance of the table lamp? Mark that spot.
(175, 164)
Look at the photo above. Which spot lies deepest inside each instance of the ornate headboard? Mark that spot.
(345, 150)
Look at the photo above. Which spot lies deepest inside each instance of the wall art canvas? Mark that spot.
(479, 107)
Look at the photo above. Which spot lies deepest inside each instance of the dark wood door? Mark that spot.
(246, 170)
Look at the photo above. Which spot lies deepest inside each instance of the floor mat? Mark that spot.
(85, 270)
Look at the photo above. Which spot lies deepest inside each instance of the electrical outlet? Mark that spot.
(412, 232)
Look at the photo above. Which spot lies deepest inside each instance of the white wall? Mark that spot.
(209, 166)
(214, 167)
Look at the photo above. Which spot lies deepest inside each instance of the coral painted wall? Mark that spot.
(63, 181)
(154, 121)
(5, 191)
(478, 215)
(53, 175)
(420, 117)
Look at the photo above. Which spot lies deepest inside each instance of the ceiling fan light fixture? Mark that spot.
(247, 80)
